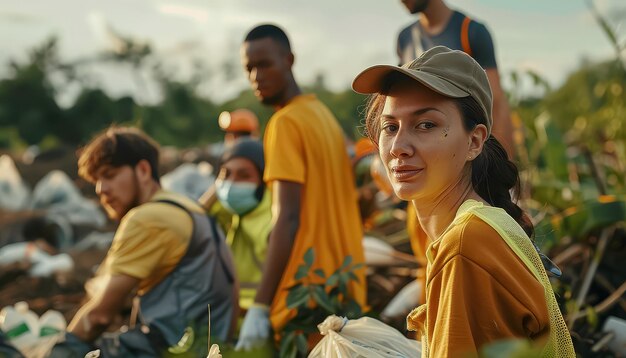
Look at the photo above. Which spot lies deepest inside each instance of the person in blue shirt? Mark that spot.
(439, 25)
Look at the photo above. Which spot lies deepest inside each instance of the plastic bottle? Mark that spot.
(52, 330)
(52, 323)
(21, 326)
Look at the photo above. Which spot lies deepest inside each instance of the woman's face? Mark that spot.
(240, 170)
(423, 143)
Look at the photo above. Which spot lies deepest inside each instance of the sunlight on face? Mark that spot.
(423, 142)
(118, 190)
(267, 66)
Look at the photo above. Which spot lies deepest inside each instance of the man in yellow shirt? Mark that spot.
(308, 170)
(165, 248)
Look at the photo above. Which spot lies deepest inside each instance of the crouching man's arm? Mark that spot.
(98, 313)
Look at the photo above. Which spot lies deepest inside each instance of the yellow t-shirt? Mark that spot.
(151, 239)
(478, 291)
(304, 144)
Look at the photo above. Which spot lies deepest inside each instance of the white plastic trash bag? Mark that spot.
(42, 264)
(364, 337)
(404, 301)
(378, 252)
(189, 179)
(14, 193)
(59, 196)
(55, 188)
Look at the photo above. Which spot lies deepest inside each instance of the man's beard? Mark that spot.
(133, 203)
(272, 101)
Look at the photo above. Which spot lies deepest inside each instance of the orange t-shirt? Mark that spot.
(477, 291)
(304, 144)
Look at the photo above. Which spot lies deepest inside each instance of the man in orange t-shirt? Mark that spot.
(309, 173)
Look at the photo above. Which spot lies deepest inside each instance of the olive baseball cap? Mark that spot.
(448, 72)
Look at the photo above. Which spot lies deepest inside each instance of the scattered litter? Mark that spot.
(42, 264)
(33, 336)
(404, 301)
(364, 337)
(14, 194)
(189, 179)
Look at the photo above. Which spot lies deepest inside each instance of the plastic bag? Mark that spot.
(64, 204)
(189, 179)
(14, 194)
(364, 337)
(404, 301)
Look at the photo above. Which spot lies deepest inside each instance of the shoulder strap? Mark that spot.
(214, 233)
(465, 42)
(172, 202)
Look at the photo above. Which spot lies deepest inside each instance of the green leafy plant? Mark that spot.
(314, 297)
(512, 348)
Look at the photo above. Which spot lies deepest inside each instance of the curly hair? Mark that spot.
(117, 147)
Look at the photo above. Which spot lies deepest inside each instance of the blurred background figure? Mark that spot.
(166, 253)
(437, 24)
(242, 206)
(314, 202)
(239, 123)
(364, 153)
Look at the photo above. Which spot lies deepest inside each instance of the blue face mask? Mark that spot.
(237, 197)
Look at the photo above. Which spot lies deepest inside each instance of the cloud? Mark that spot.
(98, 25)
(18, 17)
(191, 12)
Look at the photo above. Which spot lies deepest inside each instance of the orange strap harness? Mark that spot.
(465, 42)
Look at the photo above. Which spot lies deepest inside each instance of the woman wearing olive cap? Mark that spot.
(485, 281)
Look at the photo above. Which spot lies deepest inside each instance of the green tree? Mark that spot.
(27, 97)
(182, 118)
(92, 112)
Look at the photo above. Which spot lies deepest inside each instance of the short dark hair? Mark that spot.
(117, 147)
(269, 30)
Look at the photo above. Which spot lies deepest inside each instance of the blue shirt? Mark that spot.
(413, 40)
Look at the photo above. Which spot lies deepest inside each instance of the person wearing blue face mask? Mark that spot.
(240, 191)
(238, 197)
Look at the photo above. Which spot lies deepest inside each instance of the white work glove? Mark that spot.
(255, 329)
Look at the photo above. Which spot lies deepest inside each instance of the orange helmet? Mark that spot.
(239, 120)
(379, 174)
(362, 148)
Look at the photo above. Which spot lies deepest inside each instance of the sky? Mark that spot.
(337, 38)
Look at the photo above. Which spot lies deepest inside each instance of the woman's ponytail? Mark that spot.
(494, 177)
